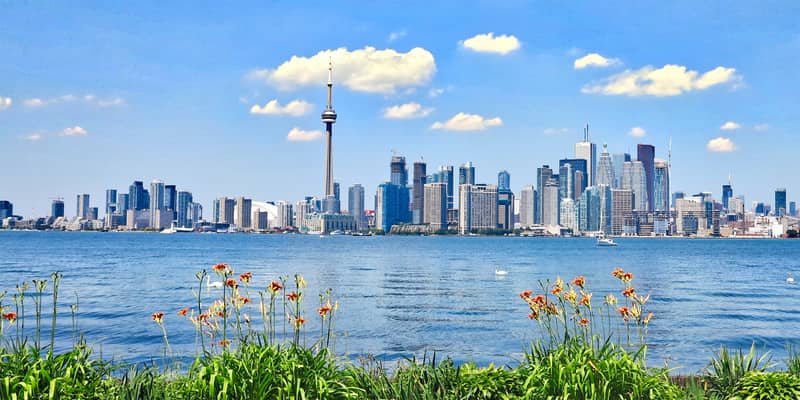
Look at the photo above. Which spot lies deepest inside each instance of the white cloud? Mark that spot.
(299, 135)
(435, 92)
(488, 43)
(406, 111)
(637, 131)
(556, 131)
(467, 122)
(397, 35)
(669, 80)
(70, 98)
(729, 126)
(594, 60)
(112, 102)
(761, 127)
(33, 102)
(73, 131)
(720, 145)
(295, 108)
(5, 102)
(363, 70)
(33, 137)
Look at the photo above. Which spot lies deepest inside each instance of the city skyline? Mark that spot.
(133, 104)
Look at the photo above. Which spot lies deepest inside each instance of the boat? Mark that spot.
(362, 234)
(605, 241)
(176, 229)
(500, 272)
(337, 232)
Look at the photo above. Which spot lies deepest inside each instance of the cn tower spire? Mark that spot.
(329, 118)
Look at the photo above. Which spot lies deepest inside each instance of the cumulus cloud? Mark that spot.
(462, 122)
(5, 102)
(299, 135)
(406, 111)
(397, 35)
(488, 43)
(364, 70)
(295, 108)
(669, 80)
(556, 131)
(73, 131)
(637, 131)
(89, 99)
(761, 127)
(720, 145)
(594, 60)
(729, 126)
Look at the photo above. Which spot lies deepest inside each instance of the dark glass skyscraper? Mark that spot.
(503, 181)
(6, 209)
(399, 173)
(780, 202)
(543, 174)
(578, 165)
(646, 153)
(183, 209)
(137, 196)
(466, 174)
(446, 177)
(418, 196)
(111, 201)
(727, 193)
(57, 208)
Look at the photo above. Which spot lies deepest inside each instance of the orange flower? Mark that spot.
(526, 294)
(10, 317)
(274, 287)
(627, 277)
(220, 267)
(298, 322)
(158, 317)
(552, 309)
(556, 290)
(534, 314)
(220, 314)
(648, 318)
(579, 281)
(225, 343)
(585, 299)
(617, 273)
(628, 292)
(624, 312)
(539, 300)
(292, 296)
(202, 317)
(583, 321)
(244, 300)
(231, 283)
(245, 277)
(323, 311)
(183, 311)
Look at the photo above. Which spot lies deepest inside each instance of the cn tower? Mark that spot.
(329, 118)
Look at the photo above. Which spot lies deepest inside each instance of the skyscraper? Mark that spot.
(183, 209)
(605, 168)
(505, 209)
(111, 201)
(466, 174)
(661, 186)
(527, 206)
(418, 197)
(285, 214)
(621, 207)
(780, 202)
(606, 203)
(446, 177)
(436, 205)
(646, 153)
(589, 210)
(225, 211)
(391, 206)
(587, 150)
(792, 208)
(82, 206)
(56, 209)
(477, 208)
(137, 195)
(244, 211)
(355, 204)
(156, 203)
(566, 186)
(329, 118)
(618, 160)
(727, 193)
(567, 215)
(577, 176)
(399, 173)
(123, 203)
(170, 197)
(503, 181)
(543, 175)
(634, 178)
(549, 203)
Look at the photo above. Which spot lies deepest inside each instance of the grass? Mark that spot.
(247, 349)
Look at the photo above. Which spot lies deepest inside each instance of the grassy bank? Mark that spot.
(249, 338)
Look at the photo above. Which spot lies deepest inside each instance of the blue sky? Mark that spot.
(96, 95)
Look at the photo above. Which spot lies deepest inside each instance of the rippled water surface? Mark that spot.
(402, 296)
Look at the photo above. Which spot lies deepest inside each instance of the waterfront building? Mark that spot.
(589, 210)
(93, 214)
(606, 202)
(195, 213)
(792, 209)
(7, 209)
(170, 197)
(576, 181)
(780, 202)
(138, 196)
(285, 217)
(727, 193)
(690, 216)
(56, 209)
(466, 174)
(634, 178)
(621, 206)
(156, 202)
(111, 201)
(329, 118)
(183, 209)
(260, 220)
(645, 153)
(327, 223)
(435, 213)
(161, 218)
(677, 196)
(567, 217)
(503, 181)
(123, 202)
(566, 185)
(244, 212)
(225, 210)
(399, 173)
(137, 219)
(543, 175)
(477, 208)
(661, 186)
(618, 160)
(302, 208)
(330, 205)
(82, 206)
(549, 203)
(605, 168)
(418, 193)
(505, 209)
(736, 206)
(355, 205)
(446, 177)
(527, 206)
(587, 150)
(391, 206)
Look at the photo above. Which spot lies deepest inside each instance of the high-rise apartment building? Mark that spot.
(418, 193)
(82, 211)
(285, 217)
(446, 177)
(549, 203)
(244, 212)
(355, 205)
(138, 196)
(225, 207)
(466, 174)
(399, 173)
(605, 168)
(123, 203)
(567, 214)
(780, 202)
(618, 161)
(577, 176)
(589, 210)
(646, 153)
(503, 181)
(727, 194)
(604, 193)
(435, 212)
(505, 209)
(157, 192)
(527, 206)
(183, 209)
(56, 209)
(621, 207)
(634, 178)
(477, 207)
(391, 206)
(111, 201)
(543, 175)
(661, 186)
(566, 185)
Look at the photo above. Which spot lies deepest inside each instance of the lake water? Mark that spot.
(403, 296)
